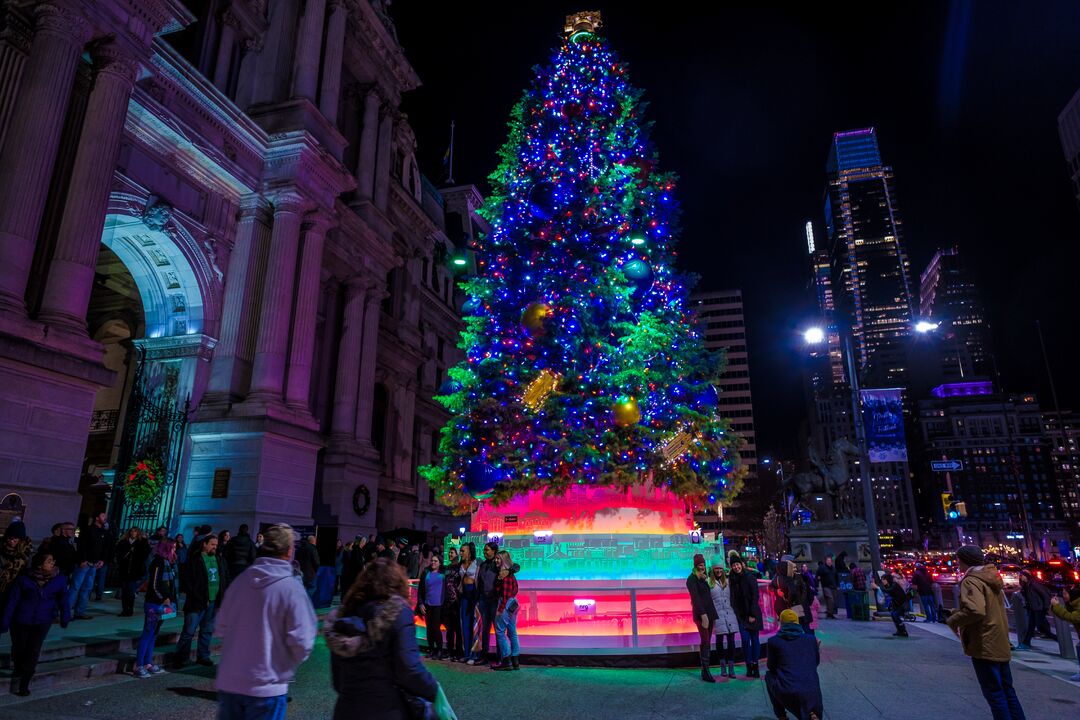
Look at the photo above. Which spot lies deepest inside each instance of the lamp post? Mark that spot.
(816, 336)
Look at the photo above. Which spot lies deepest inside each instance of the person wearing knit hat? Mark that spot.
(727, 623)
(746, 604)
(704, 613)
(983, 627)
(792, 679)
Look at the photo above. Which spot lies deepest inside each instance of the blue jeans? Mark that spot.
(232, 706)
(995, 678)
(750, 643)
(151, 625)
(204, 620)
(506, 638)
(468, 611)
(82, 582)
(487, 608)
(929, 608)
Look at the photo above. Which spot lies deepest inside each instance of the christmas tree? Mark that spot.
(582, 365)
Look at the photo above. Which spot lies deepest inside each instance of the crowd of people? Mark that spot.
(256, 595)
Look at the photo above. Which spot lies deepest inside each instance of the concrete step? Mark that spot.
(89, 649)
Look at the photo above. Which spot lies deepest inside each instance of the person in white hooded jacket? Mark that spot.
(268, 628)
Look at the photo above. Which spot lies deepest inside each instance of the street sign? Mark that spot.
(946, 465)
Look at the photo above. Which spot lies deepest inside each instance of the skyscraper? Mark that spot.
(720, 318)
(869, 268)
(949, 297)
(860, 276)
(1069, 130)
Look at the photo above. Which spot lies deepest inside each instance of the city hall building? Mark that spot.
(218, 258)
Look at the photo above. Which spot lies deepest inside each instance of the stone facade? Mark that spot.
(229, 191)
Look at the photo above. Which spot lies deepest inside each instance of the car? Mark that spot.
(1056, 574)
(1010, 574)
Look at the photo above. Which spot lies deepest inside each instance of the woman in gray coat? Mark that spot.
(727, 624)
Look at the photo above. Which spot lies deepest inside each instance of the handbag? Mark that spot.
(168, 614)
(417, 708)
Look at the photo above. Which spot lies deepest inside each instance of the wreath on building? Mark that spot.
(145, 480)
(361, 500)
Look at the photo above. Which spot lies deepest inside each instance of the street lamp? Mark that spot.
(816, 336)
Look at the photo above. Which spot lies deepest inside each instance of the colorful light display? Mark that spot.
(575, 282)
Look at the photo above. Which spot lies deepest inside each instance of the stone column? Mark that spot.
(382, 162)
(369, 136)
(308, 47)
(368, 361)
(348, 365)
(71, 273)
(32, 141)
(298, 388)
(335, 47)
(271, 345)
(242, 290)
(226, 45)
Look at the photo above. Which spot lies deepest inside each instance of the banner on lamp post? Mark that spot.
(883, 418)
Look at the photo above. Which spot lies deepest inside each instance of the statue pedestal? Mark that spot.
(813, 541)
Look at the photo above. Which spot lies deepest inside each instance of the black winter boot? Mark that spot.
(706, 676)
(515, 662)
(731, 670)
(757, 670)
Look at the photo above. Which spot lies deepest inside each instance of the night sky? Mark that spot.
(964, 98)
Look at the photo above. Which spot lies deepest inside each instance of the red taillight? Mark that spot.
(1038, 574)
(1076, 575)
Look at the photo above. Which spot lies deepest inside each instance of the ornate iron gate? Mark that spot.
(154, 427)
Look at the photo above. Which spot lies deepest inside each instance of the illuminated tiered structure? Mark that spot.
(584, 416)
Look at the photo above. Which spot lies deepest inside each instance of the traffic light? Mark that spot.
(954, 509)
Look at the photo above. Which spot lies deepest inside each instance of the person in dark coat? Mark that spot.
(95, 548)
(747, 607)
(898, 600)
(828, 582)
(924, 587)
(240, 552)
(131, 554)
(204, 579)
(374, 660)
(452, 607)
(38, 596)
(703, 610)
(1037, 601)
(307, 558)
(791, 678)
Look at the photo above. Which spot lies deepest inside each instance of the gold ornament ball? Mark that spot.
(626, 411)
(534, 317)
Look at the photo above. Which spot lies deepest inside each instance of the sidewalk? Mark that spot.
(1043, 655)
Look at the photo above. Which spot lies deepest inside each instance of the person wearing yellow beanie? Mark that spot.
(792, 679)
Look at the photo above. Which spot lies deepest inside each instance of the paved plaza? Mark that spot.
(865, 673)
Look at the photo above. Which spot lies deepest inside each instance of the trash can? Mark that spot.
(325, 580)
(1064, 638)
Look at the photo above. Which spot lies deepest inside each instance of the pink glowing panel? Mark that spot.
(644, 617)
(588, 510)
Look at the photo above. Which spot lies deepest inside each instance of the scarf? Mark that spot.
(41, 577)
(790, 631)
